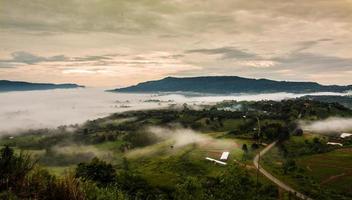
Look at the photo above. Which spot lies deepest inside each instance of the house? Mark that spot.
(345, 135)
(225, 155)
(335, 144)
(215, 161)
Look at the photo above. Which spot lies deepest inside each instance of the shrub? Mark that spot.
(97, 171)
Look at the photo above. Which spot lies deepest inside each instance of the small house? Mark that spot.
(335, 144)
(225, 155)
(345, 135)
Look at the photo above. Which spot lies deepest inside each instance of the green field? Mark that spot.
(331, 170)
(314, 173)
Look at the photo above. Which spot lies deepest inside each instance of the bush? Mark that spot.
(93, 192)
(97, 171)
(14, 168)
(190, 189)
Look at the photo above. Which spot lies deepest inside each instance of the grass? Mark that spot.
(164, 166)
(160, 164)
(332, 169)
(167, 169)
(23, 140)
(58, 171)
(116, 122)
(231, 124)
(111, 145)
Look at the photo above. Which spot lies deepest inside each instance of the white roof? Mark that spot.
(344, 135)
(216, 161)
(334, 143)
(225, 155)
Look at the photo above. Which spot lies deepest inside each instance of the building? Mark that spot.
(345, 135)
(225, 155)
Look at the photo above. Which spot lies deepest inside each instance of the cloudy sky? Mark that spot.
(121, 42)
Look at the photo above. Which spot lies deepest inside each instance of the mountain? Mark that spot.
(229, 84)
(7, 86)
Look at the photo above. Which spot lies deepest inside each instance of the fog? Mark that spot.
(52, 108)
(180, 137)
(331, 125)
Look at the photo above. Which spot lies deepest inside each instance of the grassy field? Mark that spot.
(159, 163)
(163, 165)
(332, 169)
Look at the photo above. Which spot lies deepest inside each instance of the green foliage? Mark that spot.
(54, 158)
(94, 192)
(13, 168)
(20, 179)
(191, 188)
(289, 166)
(236, 183)
(8, 195)
(245, 148)
(97, 171)
(295, 148)
(134, 185)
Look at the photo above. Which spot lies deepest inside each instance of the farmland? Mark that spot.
(327, 172)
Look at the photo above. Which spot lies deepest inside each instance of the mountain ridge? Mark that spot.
(227, 85)
(8, 86)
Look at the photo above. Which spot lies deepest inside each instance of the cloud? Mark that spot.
(308, 44)
(247, 38)
(87, 71)
(257, 63)
(225, 52)
(28, 58)
(311, 62)
(22, 57)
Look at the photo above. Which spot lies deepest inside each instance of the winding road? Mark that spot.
(271, 177)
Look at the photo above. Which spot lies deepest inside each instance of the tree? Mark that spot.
(283, 134)
(245, 152)
(254, 146)
(97, 171)
(298, 132)
(134, 185)
(14, 168)
(234, 183)
(245, 148)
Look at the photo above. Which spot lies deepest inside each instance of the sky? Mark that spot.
(116, 43)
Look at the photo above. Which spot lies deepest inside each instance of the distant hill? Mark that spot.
(7, 86)
(229, 84)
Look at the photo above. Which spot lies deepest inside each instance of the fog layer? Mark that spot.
(52, 108)
(329, 126)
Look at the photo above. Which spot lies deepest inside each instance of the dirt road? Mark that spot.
(271, 177)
